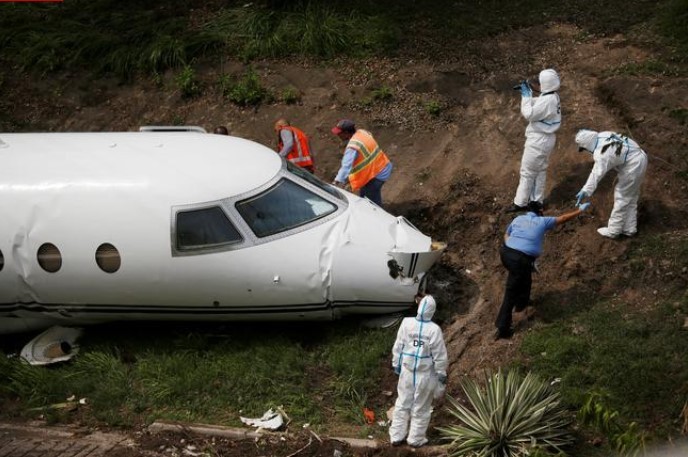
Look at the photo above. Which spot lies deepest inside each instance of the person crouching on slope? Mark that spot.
(522, 246)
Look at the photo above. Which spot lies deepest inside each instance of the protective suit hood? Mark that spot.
(426, 308)
(586, 139)
(549, 80)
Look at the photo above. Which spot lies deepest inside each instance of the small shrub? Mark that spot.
(158, 80)
(626, 440)
(383, 94)
(291, 95)
(187, 82)
(247, 91)
(510, 417)
(433, 108)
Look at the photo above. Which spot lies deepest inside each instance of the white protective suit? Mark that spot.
(614, 151)
(544, 119)
(421, 356)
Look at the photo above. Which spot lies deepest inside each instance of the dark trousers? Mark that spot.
(373, 191)
(517, 291)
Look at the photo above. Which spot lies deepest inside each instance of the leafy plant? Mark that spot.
(291, 95)
(247, 91)
(626, 440)
(510, 417)
(188, 83)
(383, 94)
(433, 108)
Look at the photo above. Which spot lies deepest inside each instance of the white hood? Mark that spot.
(587, 139)
(549, 80)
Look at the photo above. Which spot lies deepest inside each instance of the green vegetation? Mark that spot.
(630, 355)
(624, 440)
(651, 67)
(308, 28)
(187, 83)
(149, 37)
(290, 95)
(433, 108)
(205, 376)
(511, 416)
(102, 35)
(246, 90)
(673, 25)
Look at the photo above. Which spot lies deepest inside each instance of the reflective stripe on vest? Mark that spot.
(370, 160)
(300, 153)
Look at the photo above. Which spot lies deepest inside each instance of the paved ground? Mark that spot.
(29, 440)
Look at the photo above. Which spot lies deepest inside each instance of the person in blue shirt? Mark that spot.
(522, 245)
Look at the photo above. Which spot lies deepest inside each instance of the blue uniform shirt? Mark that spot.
(527, 232)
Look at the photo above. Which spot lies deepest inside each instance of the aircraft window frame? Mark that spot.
(49, 257)
(314, 180)
(293, 224)
(210, 247)
(108, 258)
(2, 260)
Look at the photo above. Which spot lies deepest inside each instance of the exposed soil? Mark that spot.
(454, 173)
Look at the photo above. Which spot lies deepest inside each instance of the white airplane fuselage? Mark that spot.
(100, 227)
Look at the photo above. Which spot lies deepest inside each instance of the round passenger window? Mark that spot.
(2, 260)
(107, 258)
(49, 257)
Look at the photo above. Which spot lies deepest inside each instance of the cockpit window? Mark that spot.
(283, 207)
(301, 173)
(205, 228)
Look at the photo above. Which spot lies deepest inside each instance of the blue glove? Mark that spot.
(442, 378)
(526, 91)
(397, 369)
(580, 196)
(584, 206)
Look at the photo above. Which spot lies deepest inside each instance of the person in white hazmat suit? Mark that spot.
(543, 114)
(419, 357)
(615, 151)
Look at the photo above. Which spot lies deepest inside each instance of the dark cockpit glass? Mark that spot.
(284, 206)
(303, 174)
(205, 228)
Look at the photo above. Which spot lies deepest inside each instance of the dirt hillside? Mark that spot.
(455, 172)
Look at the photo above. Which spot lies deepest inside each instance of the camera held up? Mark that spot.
(526, 82)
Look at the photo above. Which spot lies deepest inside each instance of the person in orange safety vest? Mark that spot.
(365, 165)
(293, 145)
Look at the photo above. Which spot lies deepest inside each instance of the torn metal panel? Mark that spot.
(56, 344)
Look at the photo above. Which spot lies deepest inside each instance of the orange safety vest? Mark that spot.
(370, 160)
(300, 153)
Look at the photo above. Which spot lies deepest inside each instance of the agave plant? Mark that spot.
(512, 416)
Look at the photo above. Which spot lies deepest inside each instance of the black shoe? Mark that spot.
(515, 208)
(397, 443)
(503, 334)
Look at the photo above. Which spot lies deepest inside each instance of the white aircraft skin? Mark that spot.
(319, 254)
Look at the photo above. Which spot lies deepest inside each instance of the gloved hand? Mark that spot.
(580, 196)
(526, 91)
(584, 206)
(441, 387)
(397, 369)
